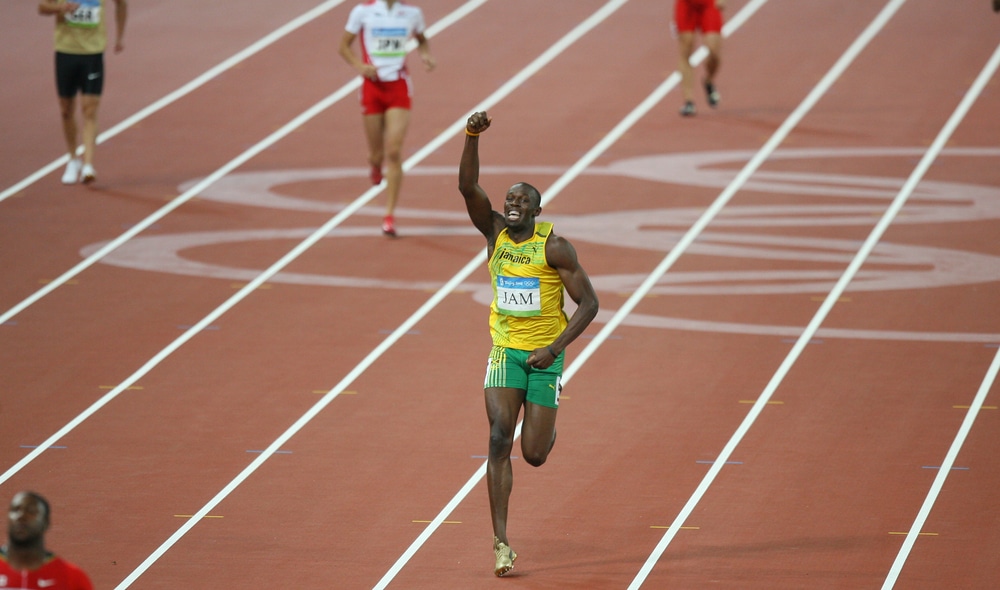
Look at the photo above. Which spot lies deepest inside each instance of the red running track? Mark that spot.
(209, 426)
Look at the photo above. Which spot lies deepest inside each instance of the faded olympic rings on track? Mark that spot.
(892, 267)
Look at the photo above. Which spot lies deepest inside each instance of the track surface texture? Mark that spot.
(222, 375)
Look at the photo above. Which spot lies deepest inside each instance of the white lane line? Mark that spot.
(827, 305)
(284, 131)
(606, 142)
(970, 417)
(246, 290)
(191, 86)
(377, 352)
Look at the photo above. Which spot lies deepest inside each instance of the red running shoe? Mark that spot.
(389, 226)
(376, 175)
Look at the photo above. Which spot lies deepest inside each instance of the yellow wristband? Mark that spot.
(470, 134)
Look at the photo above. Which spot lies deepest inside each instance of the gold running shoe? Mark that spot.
(505, 557)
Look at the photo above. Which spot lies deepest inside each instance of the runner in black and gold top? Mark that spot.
(80, 40)
(530, 267)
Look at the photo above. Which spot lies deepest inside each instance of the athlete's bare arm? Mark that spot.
(346, 52)
(47, 7)
(121, 17)
(424, 50)
(560, 255)
(486, 220)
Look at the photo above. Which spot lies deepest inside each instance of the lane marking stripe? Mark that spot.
(797, 115)
(606, 142)
(188, 88)
(991, 373)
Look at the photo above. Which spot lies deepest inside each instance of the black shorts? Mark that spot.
(79, 73)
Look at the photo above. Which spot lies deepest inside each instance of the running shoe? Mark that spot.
(389, 226)
(88, 175)
(712, 94)
(72, 173)
(505, 557)
(688, 109)
(376, 175)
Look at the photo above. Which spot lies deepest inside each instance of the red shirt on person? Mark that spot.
(55, 574)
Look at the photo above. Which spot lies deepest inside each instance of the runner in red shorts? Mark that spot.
(705, 16)
(385, 27)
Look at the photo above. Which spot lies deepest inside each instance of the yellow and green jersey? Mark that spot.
(527, 309)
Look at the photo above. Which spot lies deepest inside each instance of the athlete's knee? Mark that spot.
(501, 442)
(89, 106)
(394, 153)
(535, 457)
(535, 460)
(536, 452)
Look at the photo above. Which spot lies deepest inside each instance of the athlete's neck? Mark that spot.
(28, 557)
(521, 233)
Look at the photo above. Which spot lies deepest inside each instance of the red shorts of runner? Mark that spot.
(694, 15)
(378, 97)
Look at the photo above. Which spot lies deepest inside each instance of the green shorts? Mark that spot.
(508, 367)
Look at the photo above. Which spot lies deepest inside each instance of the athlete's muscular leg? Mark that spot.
(685, 47)
(89, 103)
(538, 433)
(713, 42)
(396, 122)
(375, 135)
(67, 107)
(503, 404)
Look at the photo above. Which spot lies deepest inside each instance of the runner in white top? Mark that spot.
(385, 27)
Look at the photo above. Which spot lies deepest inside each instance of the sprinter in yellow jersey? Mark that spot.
(529, 267)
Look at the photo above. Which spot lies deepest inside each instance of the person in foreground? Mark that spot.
(24, 561)
(385, 26)
(529, 267)
(80, 40)
(704, 16)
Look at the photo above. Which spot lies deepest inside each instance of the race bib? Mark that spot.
(520, 297)
(389, 41)
(87, 14)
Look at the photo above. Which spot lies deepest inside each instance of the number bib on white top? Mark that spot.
(519, 296)
(389, 41)
(87, 14)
